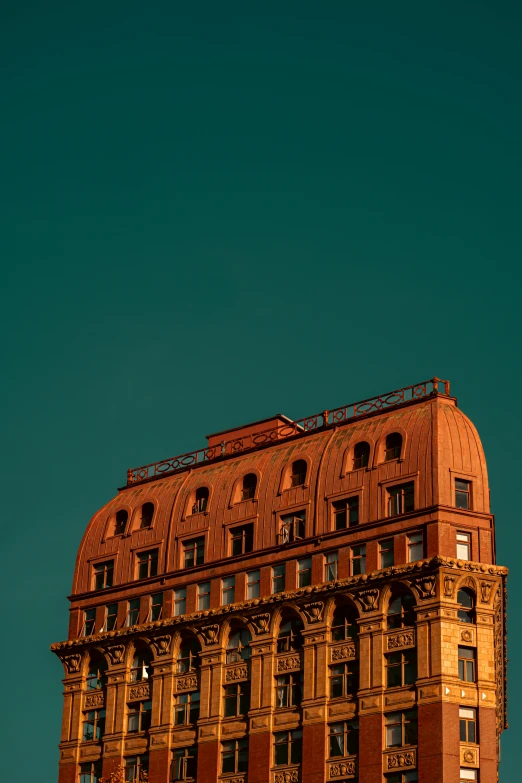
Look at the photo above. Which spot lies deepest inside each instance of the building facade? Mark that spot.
(299, 602)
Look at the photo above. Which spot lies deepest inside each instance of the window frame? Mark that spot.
(147, 562)
(400, 498)
(411, 544)
(110, 626)
(465, 722)
(196, 545)
(142, 712)
(132, 616)
(405, 661)
(404, 722)
(386, 553)
(464, 541)
(346, 513)
(236, 694)
(306, 572)
(185, 761)
(178, 601)
(244, 534)
(290, 687)
(97, 722)
(154, 604)
(229, 588)
(348, 728)
(89, 622)
(360, 557)
(467, 664)
(344, 678)
(463, 492)
(188, 706)
(104, 569)
(237, 751)
(278, 579)
(253, 585)
(331, 566)
(203, 596)
(292, 527)
(293, 740)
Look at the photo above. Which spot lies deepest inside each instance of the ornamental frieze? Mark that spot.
(426, 586)
(287, 664)
(236, 673)
(341, 768)
(161, 644)
(346, 652)
(287, 776)
(72, 663)
(187, 683)
(93, 700)
(116, 653)
(210, 633)
(402, 639)
(313, 611)
(402, 760)
(140, 691)
(261, 622)
(235, 779)
(369, 599)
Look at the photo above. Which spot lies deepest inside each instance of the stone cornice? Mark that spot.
(359, 585)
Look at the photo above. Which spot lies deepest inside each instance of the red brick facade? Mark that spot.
(300, 602)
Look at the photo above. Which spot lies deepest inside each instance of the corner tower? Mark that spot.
(298, 602)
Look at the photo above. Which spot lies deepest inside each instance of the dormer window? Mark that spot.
(201, 501)
(463, 494)
(361, 455)
(292, 527)
(120, 524)
(401, 499)
(298, 475)
(147, 512)
(393, 446)
(248, 488)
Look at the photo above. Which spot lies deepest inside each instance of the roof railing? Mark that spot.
(300, 427)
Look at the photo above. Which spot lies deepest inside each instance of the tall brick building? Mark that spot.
(304, 601)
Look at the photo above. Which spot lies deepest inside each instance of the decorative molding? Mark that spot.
(287, 776)
(93, 700)
(347, 651)
(466, 635)
(449, 585)
(161, 644)
(140, 691)
(72, 663)
(314, 611)
(116, 653)
(402, 760)
(339, 768)
(401, 639)
(486, 589)
(369, 599)
(237, 673)
(261, 622)
(235, 779)
(286, 664)
(469, 755)
(426, 586)
(210, 633)
(187, 683)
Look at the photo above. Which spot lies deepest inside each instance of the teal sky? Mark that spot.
(212, 212)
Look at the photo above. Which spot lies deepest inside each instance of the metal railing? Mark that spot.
(300, 427)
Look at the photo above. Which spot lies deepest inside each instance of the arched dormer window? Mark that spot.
(344, 624)
(466, 602)
(97, 674)
(393, 446)
(201, 501)
(238, 647)
(401, 611)
(290, 634)
(120, 522)
(361, 455)
(147, 512)
(298, 474)
(188, 656)
(248, 486)
(141, 669)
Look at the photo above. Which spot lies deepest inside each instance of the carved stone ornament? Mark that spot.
(116, 653)
(426, 586)
(466, 636)
(344, 652)
(261, 622)
(400, 760)
(449, 586)
(468, 756)
(236, 780)
(72, 663)
(140, 691)
(287, 776)
(210, 633)
(93, 700)
(485, 592)
(285, 664)
(186, 683)
(314, 611)
(402, 639)
(162, 644)
(340, 768)
(369, 599)
(237, 673)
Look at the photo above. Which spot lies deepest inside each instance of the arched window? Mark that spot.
(201, 500)
(298, 475)
(141, 669)
(361, 455)
(188, 656)
(238, 647)
(466, 602)
(401, 611)
(344, 624)
(393, 446)
(248, 487)
(121, 522)
(290, 635)
(147, 512)
(97, 674)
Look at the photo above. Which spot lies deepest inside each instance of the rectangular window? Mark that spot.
(186, 711)
(463, 546)
(237, 699)
(463, 494)
(401, 668)
(89, 621)
(468, 724)
(111, 617)
(358, 560)
(136, 768)
(234, 756)
(411, 776)
(330, 566)
(90, 772)
(139, 716)
(343, 739)
(467, 664)
(147, 564)
(242, 539)
(185, 763)
(304, 572)
(401, 728)
(193, 552)
(292, 527)
(156, 607)
(288, 690)
(133, 612)
(253, 584)
(103, 575)
(344, 679)
(228, 588)
(415, 547)
(287, 747)
(93, 725)
(400, 499)
(278, 578)
(203, 596)
(346, 513)
(180, 601)
(386, 553)
(468, 774)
